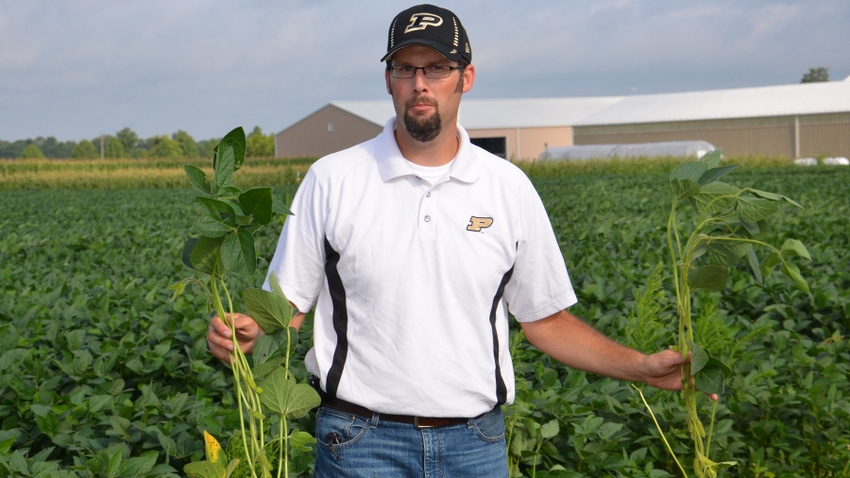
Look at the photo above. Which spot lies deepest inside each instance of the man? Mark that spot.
(414, 246)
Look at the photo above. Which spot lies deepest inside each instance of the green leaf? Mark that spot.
(699, 358)
(286, 397)
(550, 429)
(301, 440)
(238, 252)
(710, 277)
(205, 469)
(793, 247)
(228, 156)
(714, 173)
(712, 158)
(271, 310)
(139, 466)
(213, 217)
(727, 252)
(774, 197)
(237, 140)
(259, 203)
(716, 196)
(684, 188)
(280, 208)
(197, 178)
(202, 253)
(692, 171)
(753, 261)
(793, 273)
(754, 209)
(712, 377)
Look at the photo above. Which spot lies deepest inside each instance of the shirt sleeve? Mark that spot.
(299, 258)
(540, 285)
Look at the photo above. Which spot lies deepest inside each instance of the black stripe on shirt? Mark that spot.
(340, 318)
(501, 388)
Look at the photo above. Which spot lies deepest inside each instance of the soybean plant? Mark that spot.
(730, 224)
(225, 220)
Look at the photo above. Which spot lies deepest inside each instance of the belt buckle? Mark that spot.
(417, 426)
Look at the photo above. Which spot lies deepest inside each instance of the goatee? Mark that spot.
(423, 129)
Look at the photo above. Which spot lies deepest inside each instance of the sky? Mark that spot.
(77, 69)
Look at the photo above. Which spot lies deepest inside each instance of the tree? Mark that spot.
(129, 139)
(165, 147)
(259, 144)
(187, 144)
(816, 75)
(114, 148)
(32, 152)
(85, 150)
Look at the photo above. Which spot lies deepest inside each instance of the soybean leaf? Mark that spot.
(715, 173)
(258, 202)
(710, 277)
(754, 209)
(699, 357)
(712, 158)
(223, 162)
(279, 207)
(774, 197)
(727, 252)
(712, 377)
(793, 247)
(692, 171)
(204, 469)
(139, 466)
(793, 273)
(301, 440)
(236, 140)
(213, 217)
(684, 188)
(770, 262)
(716, 196)
(286, 397)
(753, 261)
(202, 253)
(238, 252)
(197, 178)
(271, 310)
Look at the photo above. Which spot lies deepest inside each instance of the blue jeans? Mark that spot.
(360, 446)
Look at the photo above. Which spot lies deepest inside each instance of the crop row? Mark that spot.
(102, 374)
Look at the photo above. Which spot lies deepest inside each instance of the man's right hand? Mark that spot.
(219, 335)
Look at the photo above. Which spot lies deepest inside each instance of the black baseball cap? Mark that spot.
(431, 26)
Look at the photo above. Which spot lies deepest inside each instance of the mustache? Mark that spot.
(420, 100)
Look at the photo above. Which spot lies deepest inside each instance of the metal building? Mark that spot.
(800, 120)
(510, 128)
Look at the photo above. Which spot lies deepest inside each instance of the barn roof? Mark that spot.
(784, 100)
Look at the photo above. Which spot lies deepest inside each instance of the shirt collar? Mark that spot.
(391, 163)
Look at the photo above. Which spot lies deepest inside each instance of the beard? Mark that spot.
(421, 128)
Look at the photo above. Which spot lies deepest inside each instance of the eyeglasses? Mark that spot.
(434, 72)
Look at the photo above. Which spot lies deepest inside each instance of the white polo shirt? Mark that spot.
(412, 281)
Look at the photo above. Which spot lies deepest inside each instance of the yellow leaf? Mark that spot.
(214, 453)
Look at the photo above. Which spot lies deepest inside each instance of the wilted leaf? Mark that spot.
(711, 277)
(793, 273)
(774, 197)
(727, 252)
(754, 209)
(793, 247)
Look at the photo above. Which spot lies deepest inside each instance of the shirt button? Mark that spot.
(428, 194)
(427, 218)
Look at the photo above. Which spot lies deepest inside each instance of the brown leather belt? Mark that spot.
(418, 422)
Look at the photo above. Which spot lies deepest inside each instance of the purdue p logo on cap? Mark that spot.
(433, 27)
(421, 21)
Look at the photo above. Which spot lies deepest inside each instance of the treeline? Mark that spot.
(127, 144)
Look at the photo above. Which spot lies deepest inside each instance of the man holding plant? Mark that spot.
(414, 247)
